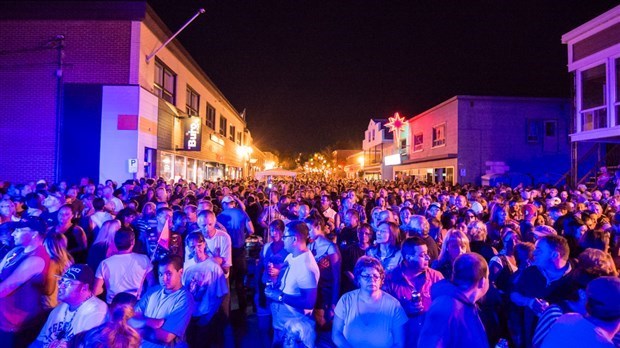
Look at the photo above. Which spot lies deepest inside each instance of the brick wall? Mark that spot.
(95, 52)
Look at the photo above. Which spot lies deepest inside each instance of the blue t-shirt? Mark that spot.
(235, 220)
(176, 309)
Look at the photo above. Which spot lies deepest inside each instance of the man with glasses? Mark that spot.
(410, 284)
(24, 284)
(295, 295)
(79, 310)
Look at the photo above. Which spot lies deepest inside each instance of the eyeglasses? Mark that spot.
(66, 282)
(369, 277)
(288, 235)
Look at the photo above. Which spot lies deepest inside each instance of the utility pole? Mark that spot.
(59, 44)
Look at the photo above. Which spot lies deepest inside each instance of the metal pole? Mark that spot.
(60, 46)
(150, 56)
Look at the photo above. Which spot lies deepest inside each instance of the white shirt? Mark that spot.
(207, 284)
(62, 324)
(302, 273)
(123, 273)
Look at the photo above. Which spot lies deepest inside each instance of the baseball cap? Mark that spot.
(80, 272)
(34, 223)
(529, 209)
(602, 294)
(477, 207)
(227, 199)
(436, 205)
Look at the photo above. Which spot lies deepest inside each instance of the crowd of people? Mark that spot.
(344, 263)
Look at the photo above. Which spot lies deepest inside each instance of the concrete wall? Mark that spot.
(118, 146)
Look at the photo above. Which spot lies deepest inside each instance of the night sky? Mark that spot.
(311, 74)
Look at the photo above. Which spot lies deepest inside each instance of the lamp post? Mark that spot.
(245, 153)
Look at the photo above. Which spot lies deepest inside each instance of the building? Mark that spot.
(339, 161)
(353, 166)
(468, 137)
(378, 142)
(594, 62)
(90, 98)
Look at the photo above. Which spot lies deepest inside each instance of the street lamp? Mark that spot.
(245, 152)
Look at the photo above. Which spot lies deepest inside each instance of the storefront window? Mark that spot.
(166, 166)
(200, 172)
(215, 171)
(191, 169)
(179, 168)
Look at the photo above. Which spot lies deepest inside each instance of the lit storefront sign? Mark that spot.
(214, 138)
(192, 134)
(392, 160)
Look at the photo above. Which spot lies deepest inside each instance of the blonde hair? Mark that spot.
(453, 235)
(106, 235)
(301, 329)
(56, 246)
(477, 231)
(116, 332)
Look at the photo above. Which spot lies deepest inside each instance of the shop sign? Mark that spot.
(392, 160)
(192, 135)
(214, 138)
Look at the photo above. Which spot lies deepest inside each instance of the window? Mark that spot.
(165, 82)
(550, 128)
(233, 132)
(210, 116)
(418, 141)
(593, 104)
(223, 124)
(533, 131)
(192, 102)
(439, 135)
(239, 138)
(617, 102)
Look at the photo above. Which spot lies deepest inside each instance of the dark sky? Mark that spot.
(312, 73)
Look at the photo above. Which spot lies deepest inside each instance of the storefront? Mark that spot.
(436, 171)
(175, 167)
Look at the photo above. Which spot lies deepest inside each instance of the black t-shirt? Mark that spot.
(532, 283)
(51, 219)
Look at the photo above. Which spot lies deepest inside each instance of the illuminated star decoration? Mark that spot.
(396, 123)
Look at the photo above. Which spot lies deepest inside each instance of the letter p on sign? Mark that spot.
(133, 165)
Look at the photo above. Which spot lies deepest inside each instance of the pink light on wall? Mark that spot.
(127, 122)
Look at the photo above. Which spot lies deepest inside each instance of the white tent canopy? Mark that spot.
(275, 172)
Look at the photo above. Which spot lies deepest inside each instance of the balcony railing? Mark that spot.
(594, 118)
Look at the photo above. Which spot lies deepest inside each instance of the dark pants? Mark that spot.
(237, 276)
(202, 333)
